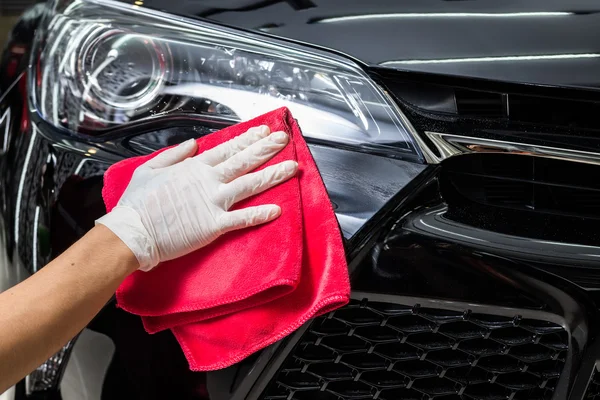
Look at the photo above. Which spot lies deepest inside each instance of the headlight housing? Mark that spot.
(106, 65)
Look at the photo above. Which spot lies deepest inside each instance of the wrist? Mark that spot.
(126, 224)
(126, 261)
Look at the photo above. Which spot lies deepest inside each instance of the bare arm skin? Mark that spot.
(41, 314)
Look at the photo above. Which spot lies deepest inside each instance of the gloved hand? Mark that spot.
(176, 203)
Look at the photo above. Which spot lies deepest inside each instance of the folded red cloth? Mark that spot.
(252, 287)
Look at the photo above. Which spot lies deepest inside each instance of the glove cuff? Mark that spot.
(127, 225)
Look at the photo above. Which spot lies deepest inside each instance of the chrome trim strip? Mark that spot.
(428, 155)
(434, 224)
(34, 250)
(449, 145)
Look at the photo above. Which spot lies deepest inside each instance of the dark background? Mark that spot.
(9, 11)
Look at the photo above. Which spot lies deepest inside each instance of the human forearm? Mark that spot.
(48, 309)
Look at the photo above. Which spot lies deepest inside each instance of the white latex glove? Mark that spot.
(175, 203)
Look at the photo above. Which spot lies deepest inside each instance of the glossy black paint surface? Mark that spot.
(534, 41)
(404, 238)
(419, 252)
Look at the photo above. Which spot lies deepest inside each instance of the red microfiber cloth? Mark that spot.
(251, 287)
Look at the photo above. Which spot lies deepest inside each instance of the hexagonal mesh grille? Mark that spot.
(370, 350)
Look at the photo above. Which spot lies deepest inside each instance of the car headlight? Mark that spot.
(104, 65)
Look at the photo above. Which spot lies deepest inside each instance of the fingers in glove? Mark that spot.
(252, 157)
(257, 182)
(250, 216)
(173, 155)
(225, 150)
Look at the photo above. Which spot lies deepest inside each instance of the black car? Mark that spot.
(459, 142)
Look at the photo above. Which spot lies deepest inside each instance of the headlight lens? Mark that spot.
(106, 65)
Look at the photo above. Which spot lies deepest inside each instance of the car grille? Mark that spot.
(534, 184)
(593, 390)
(371, 350)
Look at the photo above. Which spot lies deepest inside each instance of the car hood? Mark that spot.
(538, 41)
